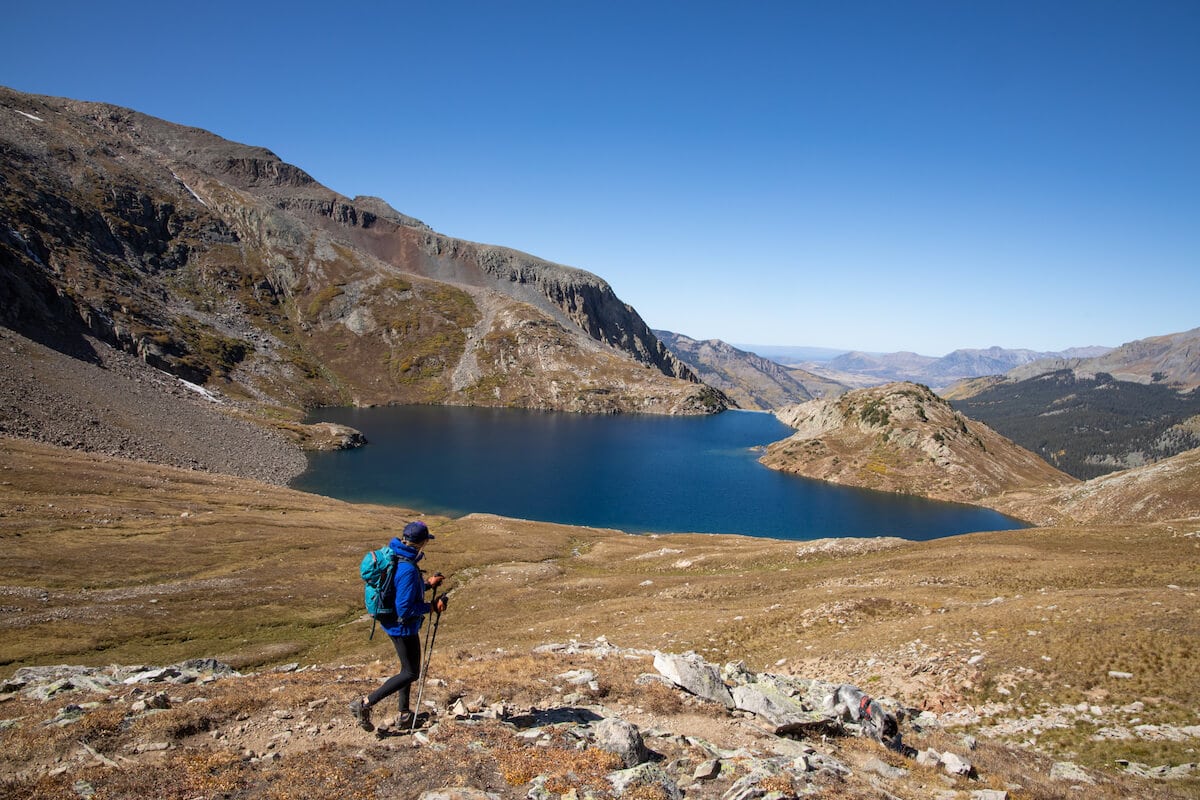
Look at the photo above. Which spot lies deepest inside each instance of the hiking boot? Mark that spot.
(362, 713)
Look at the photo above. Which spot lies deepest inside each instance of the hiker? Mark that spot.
(405, 625)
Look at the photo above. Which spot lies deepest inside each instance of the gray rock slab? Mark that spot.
(458, 794)
(785, 711)
(691, 672)
(884, 769)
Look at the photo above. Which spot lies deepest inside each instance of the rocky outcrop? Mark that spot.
(903, 438)
(288, 727)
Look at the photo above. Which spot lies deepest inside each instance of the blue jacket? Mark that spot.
(411, 607)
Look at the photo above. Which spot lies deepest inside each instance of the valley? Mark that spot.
(173, 305)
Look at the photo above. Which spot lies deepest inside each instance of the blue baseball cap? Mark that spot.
(417, 532)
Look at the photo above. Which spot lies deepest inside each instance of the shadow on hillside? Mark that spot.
(65, 337)
(35, 309)
(554, 716)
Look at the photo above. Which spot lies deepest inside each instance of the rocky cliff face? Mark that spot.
(221, 264)
(903, 438)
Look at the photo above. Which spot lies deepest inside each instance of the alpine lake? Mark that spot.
(635, 473)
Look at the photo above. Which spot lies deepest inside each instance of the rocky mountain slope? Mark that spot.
(104, 400)
(903, 438)
(1135, 405)
(753, 382)
(223, 265)
(1173, 359)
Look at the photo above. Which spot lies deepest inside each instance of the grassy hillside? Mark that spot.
(107, 561)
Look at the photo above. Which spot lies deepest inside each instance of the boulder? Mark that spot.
(615, 735)
(772, 703)
(649, 774)
(691, 672)
(954, 764)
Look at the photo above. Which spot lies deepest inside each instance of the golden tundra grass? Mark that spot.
(107, 561)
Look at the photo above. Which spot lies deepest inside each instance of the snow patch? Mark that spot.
(203, 392)
(191, 191)
(30, 116)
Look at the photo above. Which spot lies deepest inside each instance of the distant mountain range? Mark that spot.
(869, 369)
(1172, 359)
(1088, 411)
(1134, 405)
(791, 356)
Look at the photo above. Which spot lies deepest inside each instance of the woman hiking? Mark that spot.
(404, 628)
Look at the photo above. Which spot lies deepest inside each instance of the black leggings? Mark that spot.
(409, 650)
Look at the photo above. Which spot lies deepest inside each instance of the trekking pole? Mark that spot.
(437, 620)
(432, 604)
(429, 632)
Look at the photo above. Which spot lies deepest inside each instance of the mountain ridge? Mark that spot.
(752, 381)
(1171, 358)
(218, 262)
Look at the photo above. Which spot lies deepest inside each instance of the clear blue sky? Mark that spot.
(865, 175)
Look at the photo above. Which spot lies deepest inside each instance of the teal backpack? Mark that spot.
(378, 570)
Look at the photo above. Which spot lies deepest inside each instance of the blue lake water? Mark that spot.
(637, 473)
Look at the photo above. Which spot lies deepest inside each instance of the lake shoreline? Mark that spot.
(642, 474)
